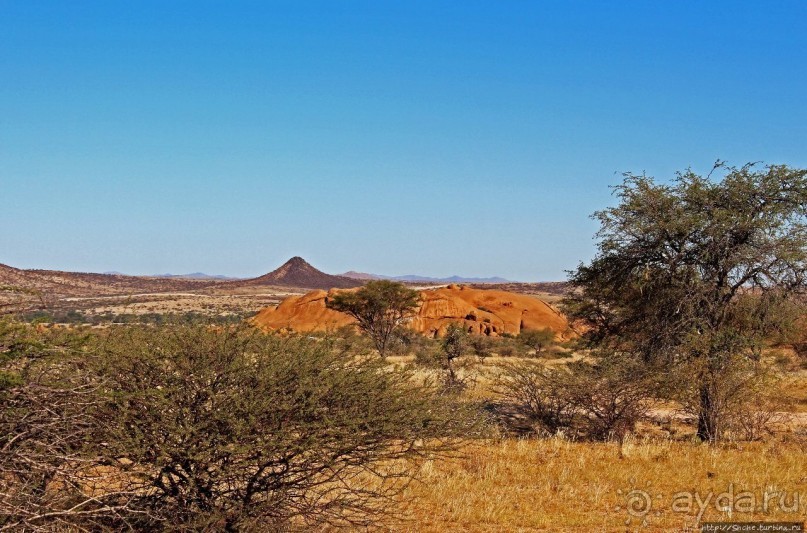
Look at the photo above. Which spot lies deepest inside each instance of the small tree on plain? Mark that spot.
(378, 307)
(454, 345)
(535, 399)
(537, 339)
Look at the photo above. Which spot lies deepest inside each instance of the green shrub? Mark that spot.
(233, 429)
(537, 339)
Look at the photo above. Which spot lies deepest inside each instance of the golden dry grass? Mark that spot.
(795, 389)
(556, 485)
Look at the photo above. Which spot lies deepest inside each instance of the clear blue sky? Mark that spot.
(438, 138)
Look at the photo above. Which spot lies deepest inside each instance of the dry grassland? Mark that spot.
(556, 485)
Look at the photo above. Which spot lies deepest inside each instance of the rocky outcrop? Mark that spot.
(303, 313)
(483, 312)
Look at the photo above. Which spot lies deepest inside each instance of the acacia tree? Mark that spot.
(537, 339)
(234, 430)
(454, 345)
(378, 307)
(696, 272)
(50, 467)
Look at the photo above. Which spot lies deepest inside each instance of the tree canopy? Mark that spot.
(697, 268)
(378, 307)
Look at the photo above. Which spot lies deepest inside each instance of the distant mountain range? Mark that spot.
(423, 279)
(195, 275)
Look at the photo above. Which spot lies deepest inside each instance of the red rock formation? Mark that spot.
(484, 312)
(303, 313)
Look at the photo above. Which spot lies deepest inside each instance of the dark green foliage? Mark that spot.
(453, 356)
(508, 346)
(348, 340)
(481, 345)
(405, 341)
(453, 346)
(455, 343)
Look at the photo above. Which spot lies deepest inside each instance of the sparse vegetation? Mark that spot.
(560, 485)
(602, 401)
(74, 317)
(142, 426)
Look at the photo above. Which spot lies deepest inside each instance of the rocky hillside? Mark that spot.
(297, 272)
(55, 283)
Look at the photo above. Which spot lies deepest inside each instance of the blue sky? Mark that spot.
(438, 138)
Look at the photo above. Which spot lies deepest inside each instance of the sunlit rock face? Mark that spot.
(482, 312)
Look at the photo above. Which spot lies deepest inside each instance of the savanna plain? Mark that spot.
(662, 387)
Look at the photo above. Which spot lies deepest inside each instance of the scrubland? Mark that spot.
(483, 476)
(658, 478)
